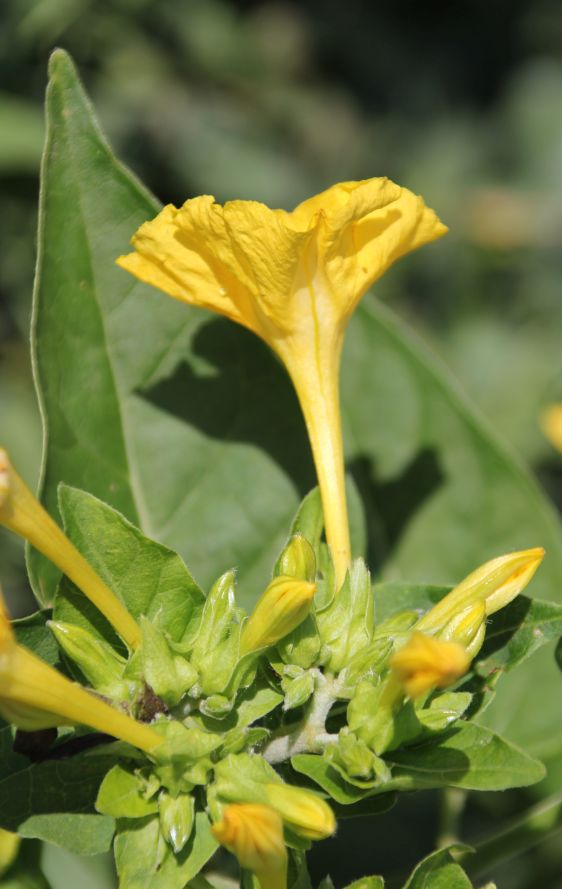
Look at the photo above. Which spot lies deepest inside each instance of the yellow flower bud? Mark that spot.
(34, 696)
(294, 279)
(302, 810)
(551, 422)
(496, 583)
(468, 628)
(22, 513)
(424, 663)
(282, 607)
(254, 833)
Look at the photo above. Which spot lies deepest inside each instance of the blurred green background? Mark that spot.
(273, 101)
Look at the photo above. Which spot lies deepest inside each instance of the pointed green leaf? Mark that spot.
(146, 861)
(439, 871)
(149, 578)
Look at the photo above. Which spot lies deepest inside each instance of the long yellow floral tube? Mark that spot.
(294, 279)
(33, 695)
(22, 513)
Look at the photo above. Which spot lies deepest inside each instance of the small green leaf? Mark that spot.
(216, 649)
(296, 560)
(367, 883)
(167, 674)
(309, 520)
(297, 690)
(328, 778)
(146, 861)
(439, 871)
(346, 625)
(443, 710)
(81, 834)
(123, 794)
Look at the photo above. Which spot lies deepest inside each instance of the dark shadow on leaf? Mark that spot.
(236, 390)
(503, 626)
(390, 505)
(245, 396)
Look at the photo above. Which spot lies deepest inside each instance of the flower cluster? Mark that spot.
(309, 679)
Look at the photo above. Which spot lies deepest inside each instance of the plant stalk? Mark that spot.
(535, 826)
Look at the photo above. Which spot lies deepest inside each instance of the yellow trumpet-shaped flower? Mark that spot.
(424, 663)
(279, 610)
(496, 583)
(302, 810)
(34, 696)
(254, 833)
(22, 513)
(551, 422)
(294, 279)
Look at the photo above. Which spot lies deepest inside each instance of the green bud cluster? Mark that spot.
(306, 679)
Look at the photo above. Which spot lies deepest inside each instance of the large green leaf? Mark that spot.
(190, 427)
(32, 792)
(468, 756)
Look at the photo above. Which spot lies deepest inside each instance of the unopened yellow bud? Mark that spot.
(279, 610)
(22, 513)
(468, 628)
(551, 422)
(33, 696)
(424, 663)
(302, 810)
(496, 583)
(9, 845)
(254, 833)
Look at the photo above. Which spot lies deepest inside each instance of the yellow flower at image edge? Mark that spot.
(294, 279)
(22, 513)
(551, 422)
(424, 663)
(33, 696)
(254, 833)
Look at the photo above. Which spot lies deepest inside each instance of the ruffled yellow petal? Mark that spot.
(166, 262)
(366, 226)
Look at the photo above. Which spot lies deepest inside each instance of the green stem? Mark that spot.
(309, 735)
(537, 824)
(452, 804)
